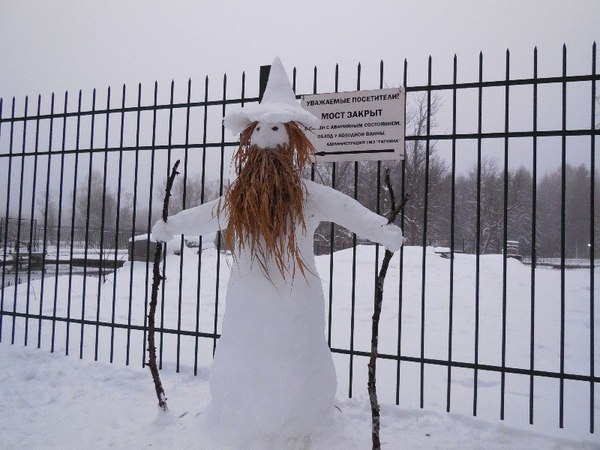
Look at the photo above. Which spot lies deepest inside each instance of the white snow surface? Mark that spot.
(58, 402)
(50, 401)
(142, 237)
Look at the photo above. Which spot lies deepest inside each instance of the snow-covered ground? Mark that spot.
(53, 401)
(50, 401)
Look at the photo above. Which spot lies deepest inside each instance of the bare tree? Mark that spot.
(419, 160)
(491, 207)
(576, 213)
(95, 205)
(520, 208)
(47, 207)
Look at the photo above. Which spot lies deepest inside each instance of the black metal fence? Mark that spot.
(30, 234)
(479, 168)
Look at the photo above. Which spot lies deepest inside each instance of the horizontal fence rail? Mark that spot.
(492, 298)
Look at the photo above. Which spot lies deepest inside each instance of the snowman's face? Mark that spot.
(269, 135)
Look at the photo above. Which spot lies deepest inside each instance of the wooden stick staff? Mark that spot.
(156, 279)
(372, 389)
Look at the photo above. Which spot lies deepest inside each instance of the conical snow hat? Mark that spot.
(278, 104)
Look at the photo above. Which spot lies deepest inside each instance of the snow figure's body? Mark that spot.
(273, 371)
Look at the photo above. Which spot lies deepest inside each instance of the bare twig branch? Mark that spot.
(372, 366)
(156, 279)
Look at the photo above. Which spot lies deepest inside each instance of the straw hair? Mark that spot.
(266, 201)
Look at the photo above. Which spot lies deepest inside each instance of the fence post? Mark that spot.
(262, 82)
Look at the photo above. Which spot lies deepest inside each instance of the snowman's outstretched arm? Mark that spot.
(197, 221)
(333, 206)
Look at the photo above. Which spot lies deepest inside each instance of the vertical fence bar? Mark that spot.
(134, 220)
(221, 175)
(478, 232)
(6, 215)
(149, 222)
(533, 239)
(592, 237)
(4, 229)
(315, 78)
(353, 285)
(263, 80)
(87, 224)
(164, 262)
(117, 224)
(378, 194)
(200, 239)
(452, 236)
(563, 237)
(20, 214)
(424, 252)
(32, 212)
(102, 224)
(183, 200)
(332, 230)
(20, 211)
(353, 293)
(401, 262)
(59, 220)
(505, 236)
(74, 213)
(45, 240)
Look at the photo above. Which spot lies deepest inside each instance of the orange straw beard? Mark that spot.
(266, 201)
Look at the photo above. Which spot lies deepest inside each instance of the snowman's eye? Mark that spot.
(257, 128)
(275, 128)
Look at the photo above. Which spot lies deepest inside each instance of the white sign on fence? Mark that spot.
(359, 125)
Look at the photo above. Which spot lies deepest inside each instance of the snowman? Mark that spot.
(273, 372)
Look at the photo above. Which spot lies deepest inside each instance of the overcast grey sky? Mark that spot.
(71, 44)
